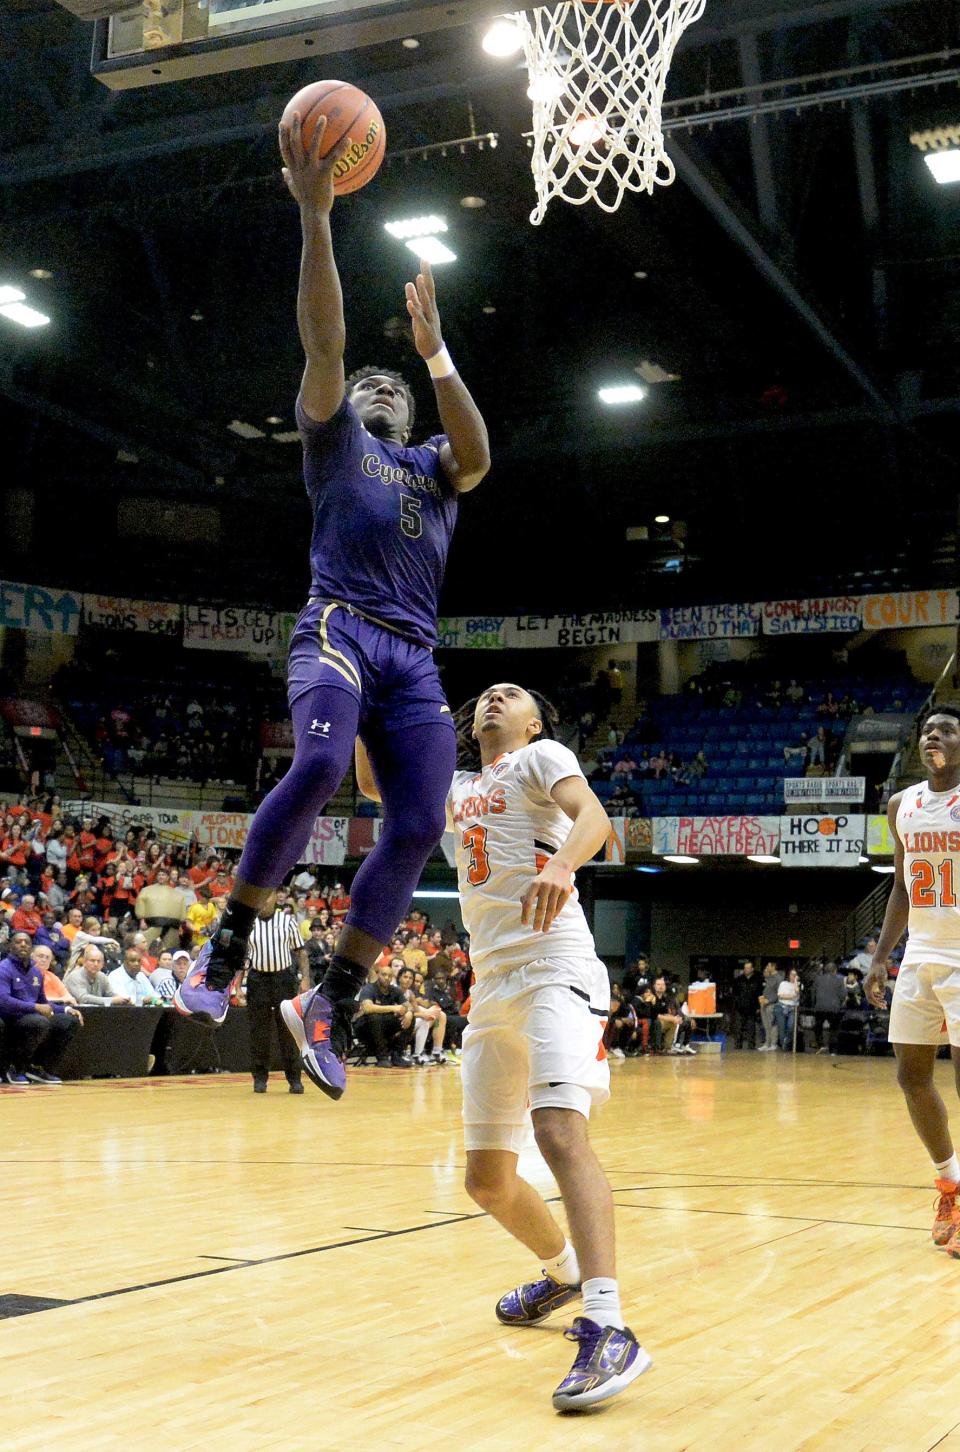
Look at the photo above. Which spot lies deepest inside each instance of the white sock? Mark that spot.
(949, 1169)
(601, 1302)
(421, 1034)
(564, 1267)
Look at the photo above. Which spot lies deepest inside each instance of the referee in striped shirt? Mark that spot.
(276, 969)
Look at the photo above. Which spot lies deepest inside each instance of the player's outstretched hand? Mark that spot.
(545, 898)
(308, 175)
(422, 307)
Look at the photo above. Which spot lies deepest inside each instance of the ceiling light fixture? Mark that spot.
(436, 892)
(503, 39)
(244, 430)
(415, 227)
(41, 272)
(11, 295)
(430, 249)
(585, 131)
(548, 87)
(682, 859)
(661, 519)
(622, 393)
(410, 42)
(941, 148)
(18, 312)
(473, 204)
(196, 316)
(273, 418)
(885, 870)
(489, 309)
(944, 165)
(762, 857)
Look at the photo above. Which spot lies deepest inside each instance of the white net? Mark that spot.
(597, 73)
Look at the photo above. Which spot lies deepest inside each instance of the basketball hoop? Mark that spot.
(597, 72)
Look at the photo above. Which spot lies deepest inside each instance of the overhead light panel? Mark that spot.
(292, 436)
(430, 249)
(244, 430)
(622, 393)
(435, 893)
(415, 227)
(884, 870)
(762, 857)
(42, 272)
(11, 295)
(944, 165)
(503, 39)
(681, 859)
(661, 519)
(18, 312)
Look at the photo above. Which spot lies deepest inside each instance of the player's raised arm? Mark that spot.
(548, 893)
(895, 917)
(309, 179)
(466, 455)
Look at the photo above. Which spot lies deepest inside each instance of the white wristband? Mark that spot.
(441, 364)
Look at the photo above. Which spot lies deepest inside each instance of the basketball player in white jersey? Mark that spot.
(525, 820)
(925, 821)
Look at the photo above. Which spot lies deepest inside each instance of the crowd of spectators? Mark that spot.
(113, 919)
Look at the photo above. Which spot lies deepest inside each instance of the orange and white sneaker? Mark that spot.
(946, 1224)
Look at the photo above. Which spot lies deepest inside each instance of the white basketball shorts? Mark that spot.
(926, 998)
(534, 1040)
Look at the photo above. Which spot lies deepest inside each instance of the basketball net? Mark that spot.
(597, 72)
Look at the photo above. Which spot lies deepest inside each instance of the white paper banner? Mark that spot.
(822, 841)
(172, 826)
(231, 627)
(113, 612)
(811, 617)
(462, 632)
(709, 622)
(606, 627)
(911, 609)
(824, 788)
(31, 607)
(328, 841)
(223, 831)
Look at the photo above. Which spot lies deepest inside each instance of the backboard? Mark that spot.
(169, 40)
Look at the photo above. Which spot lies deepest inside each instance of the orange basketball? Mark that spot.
(349, 112)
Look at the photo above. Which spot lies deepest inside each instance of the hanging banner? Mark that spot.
(481, 632)
(824, 788)
(910, 609)
(822, 841)
(225, 831)
(727, 836)
(880, 838)
(231, 627)
(328, 842)
(615, 847)
(171, 826)
(664, 835)
(606, 627)
(709, 622)
(639, 834)
(113, 612)
(31, 607)
(363, 834)
(811, 617)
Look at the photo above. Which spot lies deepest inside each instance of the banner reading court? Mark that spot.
(822, 841)
(910, 609)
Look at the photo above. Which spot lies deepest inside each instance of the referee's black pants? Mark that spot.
(265, 992)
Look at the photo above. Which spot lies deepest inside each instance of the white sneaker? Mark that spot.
(617, 1054)
(689, 1049)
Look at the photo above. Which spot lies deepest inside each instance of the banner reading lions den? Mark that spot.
(822, 841)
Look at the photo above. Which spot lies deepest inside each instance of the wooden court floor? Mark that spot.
(215, 1270)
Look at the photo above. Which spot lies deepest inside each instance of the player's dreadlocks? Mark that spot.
(369, 371)
(468, 747)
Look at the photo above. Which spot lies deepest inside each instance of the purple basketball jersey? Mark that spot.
(383, 517)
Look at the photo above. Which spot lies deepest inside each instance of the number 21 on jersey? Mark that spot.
(475, 842)
(924, 889)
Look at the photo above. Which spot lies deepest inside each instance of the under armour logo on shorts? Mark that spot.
(320, 728)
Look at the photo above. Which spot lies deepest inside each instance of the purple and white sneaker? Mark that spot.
(195, 1000)
(534, 1301)
(607, 1361)
(319, 1030)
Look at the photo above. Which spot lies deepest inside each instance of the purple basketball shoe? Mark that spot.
(322, 1038)
(532, 1302)
(194, 999)
(608, 1360)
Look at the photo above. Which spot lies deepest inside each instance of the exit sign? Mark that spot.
(793, 944)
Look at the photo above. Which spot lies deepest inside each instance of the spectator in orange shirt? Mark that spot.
(222, 884)
(204, 874)
(73, 924)
(434, 944)
(14, 849)
(54, 988)
(104, 848)
(26, 919)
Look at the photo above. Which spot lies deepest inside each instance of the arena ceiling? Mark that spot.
(801, 278)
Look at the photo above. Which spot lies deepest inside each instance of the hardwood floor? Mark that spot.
(248, 1273)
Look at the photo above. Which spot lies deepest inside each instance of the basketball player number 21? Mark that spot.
(923, 883)
(410, 521)
(475, 842)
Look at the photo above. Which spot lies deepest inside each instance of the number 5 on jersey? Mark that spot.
(475, 842)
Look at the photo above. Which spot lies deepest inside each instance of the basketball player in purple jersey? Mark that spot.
(361, 656)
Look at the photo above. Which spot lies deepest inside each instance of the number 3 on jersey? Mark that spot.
(923, 884)
(475, 842)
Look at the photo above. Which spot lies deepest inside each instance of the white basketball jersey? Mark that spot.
(506, 826)
(928, 825)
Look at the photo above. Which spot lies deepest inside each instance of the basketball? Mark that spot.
(349, 112)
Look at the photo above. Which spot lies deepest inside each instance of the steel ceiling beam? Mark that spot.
(712, 192)
(759, 133)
